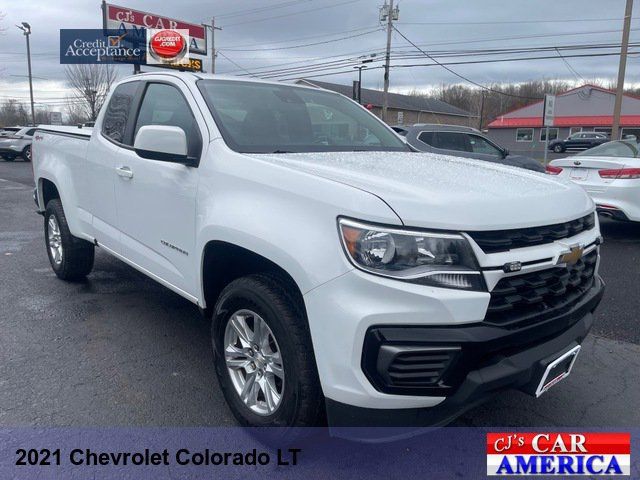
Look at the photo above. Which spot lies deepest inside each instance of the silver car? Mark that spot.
(17, 144)
(462, 141)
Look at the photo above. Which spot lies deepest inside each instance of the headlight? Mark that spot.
(428, 258)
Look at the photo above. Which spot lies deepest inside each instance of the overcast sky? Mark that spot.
(269, 29)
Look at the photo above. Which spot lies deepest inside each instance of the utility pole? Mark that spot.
(481, 110)
(388, 13)
(213, 43)
(622, 67)
(26, 30)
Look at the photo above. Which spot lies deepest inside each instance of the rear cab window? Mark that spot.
(117, 114)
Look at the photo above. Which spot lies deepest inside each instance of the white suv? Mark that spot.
(17, 144)
(343, 273)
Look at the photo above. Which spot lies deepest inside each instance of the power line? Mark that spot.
(292, 14)
(466, 79)
(342, 61)
(231, 61)
(505, 22)
(304, 45)
(241, 48)
(249, 11)
(571, 69)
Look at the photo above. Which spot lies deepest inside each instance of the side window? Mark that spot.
(453, 141)
(447, 141)
(164, 105)
(30, 132)
(427, 137)
(117, 114)
(482, 145)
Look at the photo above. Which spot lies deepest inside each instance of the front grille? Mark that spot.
(418, 367)
(504, 240)
(533, 297)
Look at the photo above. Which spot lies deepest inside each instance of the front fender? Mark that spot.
(286, 216)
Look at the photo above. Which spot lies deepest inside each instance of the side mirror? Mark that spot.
(505, 152)
(161, 142)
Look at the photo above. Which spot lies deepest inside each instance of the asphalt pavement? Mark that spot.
(119, 349)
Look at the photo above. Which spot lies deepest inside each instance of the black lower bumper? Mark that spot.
(613, 213)
(502, 359)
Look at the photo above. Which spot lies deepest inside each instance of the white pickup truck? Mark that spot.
(346, 276)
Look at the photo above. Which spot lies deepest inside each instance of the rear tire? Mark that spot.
(26, 153)
(293, 399)
(9, 158)
(71, 257)
(558, 148)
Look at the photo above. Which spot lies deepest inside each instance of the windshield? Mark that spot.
(264, 118)
(612, 149)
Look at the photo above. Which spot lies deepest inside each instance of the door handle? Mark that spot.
(125, 172)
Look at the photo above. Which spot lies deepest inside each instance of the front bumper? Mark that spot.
(10, 149)
(496, 359)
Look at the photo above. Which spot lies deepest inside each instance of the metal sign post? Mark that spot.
(547, 121)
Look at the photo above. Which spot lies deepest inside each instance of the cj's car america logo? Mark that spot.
(592, 454)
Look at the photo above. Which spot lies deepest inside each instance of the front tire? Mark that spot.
(263, 355)
(71, 257)
(558, 148)
(9, 158)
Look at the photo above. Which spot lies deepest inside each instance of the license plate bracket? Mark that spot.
(578, 174)
(557, 370)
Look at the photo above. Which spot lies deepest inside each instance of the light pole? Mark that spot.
(360, 68)
(26, 30)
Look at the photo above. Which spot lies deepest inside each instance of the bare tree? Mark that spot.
(90, 84)
(75, 112)
(13, 112)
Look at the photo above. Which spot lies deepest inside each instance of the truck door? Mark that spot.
(156, 200)
(96, 176)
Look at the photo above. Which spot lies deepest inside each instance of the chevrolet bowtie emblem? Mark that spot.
(572, 257)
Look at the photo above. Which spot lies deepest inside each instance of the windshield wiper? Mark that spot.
(282, 151)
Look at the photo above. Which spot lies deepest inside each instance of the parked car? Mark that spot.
(6, 131)
(400, 130)
(579, 141)
(342, 276)
(464, 142)
(17, 145)
(610, 173)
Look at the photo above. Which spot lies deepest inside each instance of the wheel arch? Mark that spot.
(47, 191)
(222, 262)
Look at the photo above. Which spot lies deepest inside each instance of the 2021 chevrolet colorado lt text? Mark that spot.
(344, 274)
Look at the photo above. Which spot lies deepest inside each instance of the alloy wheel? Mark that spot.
(254, 362)
(55, 240)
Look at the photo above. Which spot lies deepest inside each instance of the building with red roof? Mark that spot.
(587, 108)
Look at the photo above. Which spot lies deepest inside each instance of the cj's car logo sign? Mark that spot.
(593, 454)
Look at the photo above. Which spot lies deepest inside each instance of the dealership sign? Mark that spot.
(167, 46)
(101, 46)
(557, 453)
(125, 19)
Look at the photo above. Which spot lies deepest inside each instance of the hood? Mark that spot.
(436, 191)
(525, 162)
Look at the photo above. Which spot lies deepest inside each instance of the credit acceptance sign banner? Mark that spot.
(125, 19)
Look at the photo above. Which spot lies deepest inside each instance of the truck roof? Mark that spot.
(192, 77)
